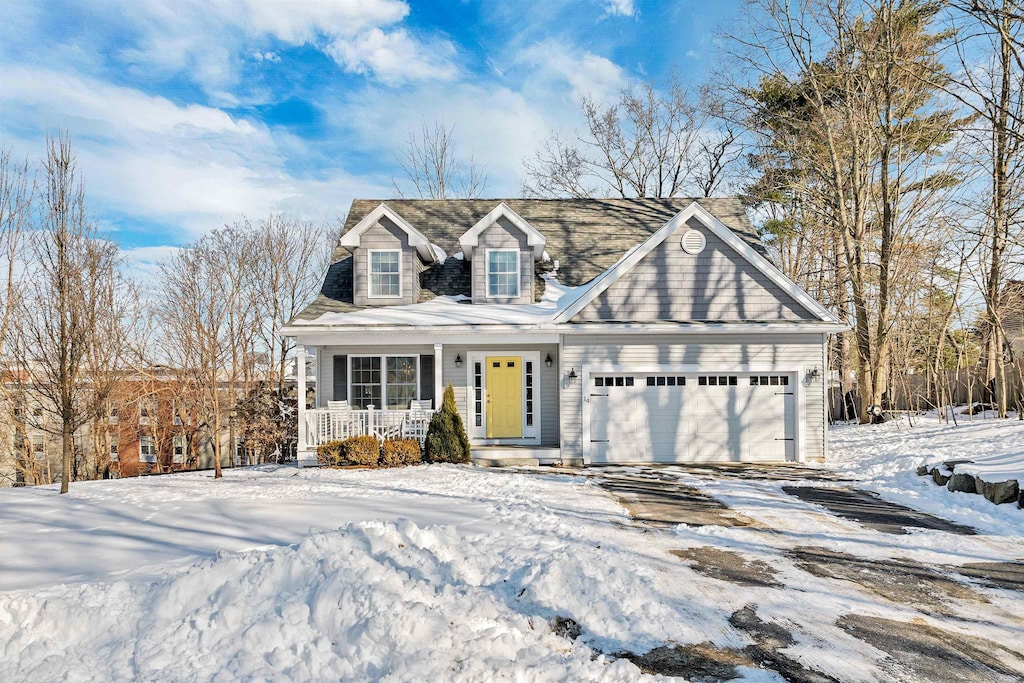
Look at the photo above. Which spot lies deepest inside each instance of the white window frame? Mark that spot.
(142, 454)
(179, 441)
(40, 454)
(384, 376)
(487, 274)
(369, 273)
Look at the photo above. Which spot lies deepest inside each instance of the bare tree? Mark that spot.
(75, 305)
(430, 162)
(648, 143)
(994, 93)
(847, 104)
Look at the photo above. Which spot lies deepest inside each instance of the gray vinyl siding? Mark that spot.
(548, 407)
(790, 350)
(502, 234)
(717, 284)
(385, 235)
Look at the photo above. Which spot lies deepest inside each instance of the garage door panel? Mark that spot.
(735, 417)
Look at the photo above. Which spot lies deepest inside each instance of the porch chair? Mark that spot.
(416, 424)
(340, 419)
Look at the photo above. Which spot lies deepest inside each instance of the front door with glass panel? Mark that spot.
(504, 397)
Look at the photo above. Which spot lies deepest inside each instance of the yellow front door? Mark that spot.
(504, 397)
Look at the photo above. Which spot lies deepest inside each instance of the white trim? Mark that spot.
(478, 435)
(359, 332)
(300, 402)
(370, 273)
(796, 373)
(695, 210)
(471, 238)
(417, 240)
(487, 273)
(438, 375)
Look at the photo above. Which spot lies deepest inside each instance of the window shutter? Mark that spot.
(426, 378)
(340, 378)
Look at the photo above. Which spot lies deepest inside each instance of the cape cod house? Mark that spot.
(593, 331)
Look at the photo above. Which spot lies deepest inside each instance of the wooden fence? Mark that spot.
(916, 392)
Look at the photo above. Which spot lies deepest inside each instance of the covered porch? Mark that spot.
(507, 392)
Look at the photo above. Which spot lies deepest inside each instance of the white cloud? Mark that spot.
(587, 74)
(495, 124)
(621, 8)
(268, 56)
(143, 156)
(394, 57)
(206, 38)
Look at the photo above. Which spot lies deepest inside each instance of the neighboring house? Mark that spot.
(594, 331)
(147, 428)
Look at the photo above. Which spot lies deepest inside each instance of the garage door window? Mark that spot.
(717, 380)
(769, 380)
(665, 381)
(602, 381)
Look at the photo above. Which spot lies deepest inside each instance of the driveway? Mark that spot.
(936, 600)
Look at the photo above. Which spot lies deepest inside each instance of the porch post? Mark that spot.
(438, 374)
(300, 381)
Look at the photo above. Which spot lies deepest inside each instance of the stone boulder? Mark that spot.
(938, 477)
(922, 471)
(1000, 492)
(962, 482)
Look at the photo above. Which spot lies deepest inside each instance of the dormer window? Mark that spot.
(385, 273)
(503, 273)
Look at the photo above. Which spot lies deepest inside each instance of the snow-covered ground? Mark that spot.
(455, 573)
(885, 458)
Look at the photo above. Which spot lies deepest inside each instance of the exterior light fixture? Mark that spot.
(458, 360)
(548, 362)
(572, 374)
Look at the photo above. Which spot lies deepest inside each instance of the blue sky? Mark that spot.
(188, 114)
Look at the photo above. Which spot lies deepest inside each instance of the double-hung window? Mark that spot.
(384, 381)
(180, 449)
(147, 449)
(503, 273)
(385, 273)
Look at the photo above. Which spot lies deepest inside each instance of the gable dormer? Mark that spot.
(387, 256)
(502, 248)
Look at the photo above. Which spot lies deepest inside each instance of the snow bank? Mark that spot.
(885, 458)
(372, 601)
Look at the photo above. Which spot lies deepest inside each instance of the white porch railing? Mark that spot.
(323, 425)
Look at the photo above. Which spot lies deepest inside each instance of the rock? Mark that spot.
(951, 464)
(938, 477)
(961, 482)
(922, 471)
(1020, 500)
(1000, 492)
(566, 628)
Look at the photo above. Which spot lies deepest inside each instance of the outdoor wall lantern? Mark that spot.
(572, 374)
(813, 375)
(548, 362)
(458, 360)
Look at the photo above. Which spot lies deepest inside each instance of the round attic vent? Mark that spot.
(693, 241)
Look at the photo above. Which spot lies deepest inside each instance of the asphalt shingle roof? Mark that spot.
(586, 237)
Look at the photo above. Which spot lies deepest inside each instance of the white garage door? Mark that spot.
(675, 417)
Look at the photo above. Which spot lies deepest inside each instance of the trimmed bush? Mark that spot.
(400, 452)
(361, 450)
(446, 435)
(329, 454)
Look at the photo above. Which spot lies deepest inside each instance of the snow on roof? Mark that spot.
(451, 310)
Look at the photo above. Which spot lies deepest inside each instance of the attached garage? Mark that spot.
(670, 416)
